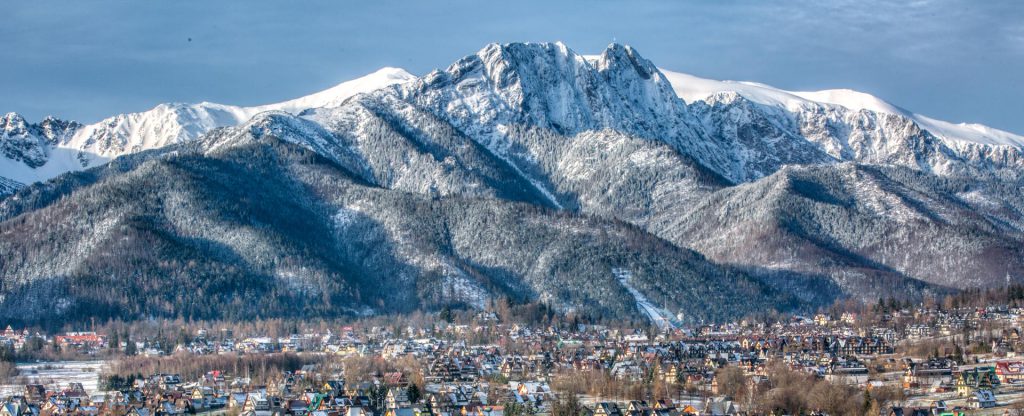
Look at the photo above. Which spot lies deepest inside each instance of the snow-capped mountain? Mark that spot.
(36, 152)
(780, 127)
(841, 125)
(524, 171)
(692, 88)
(504, 88)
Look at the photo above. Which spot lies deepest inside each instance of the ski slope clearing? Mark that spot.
(660, 317)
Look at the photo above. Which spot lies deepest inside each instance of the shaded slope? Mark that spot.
(265, 227)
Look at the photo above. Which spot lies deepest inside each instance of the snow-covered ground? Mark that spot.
(55, 376)
(662, 318)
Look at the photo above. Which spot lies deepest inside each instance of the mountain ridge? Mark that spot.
(520, 171)
(843, 124)
(91, 145)
(94, 144)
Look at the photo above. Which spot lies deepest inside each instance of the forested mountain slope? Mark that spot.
(249, 225)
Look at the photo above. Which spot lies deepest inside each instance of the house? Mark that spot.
(35, 392)
(919, 331)
(17, 406)
(401, 411)
(485, 411)
(638, 408)
(397, 397)
(669, 373)
(719, 406)
(176, 407)
(663, 404)
(848, 372)
(212, 378)
(361, 401)
(395, 379)
(138, 411)
(296, 407)
(983, 399)
(535, 393)
(358, 389)
(928, 373)
(74, 390)
(98, 399)
(976, 379)
(513, 368)
(169, 381)
(237, 400)
(257, 401)
(450, 399)
(607, 409)
(333, 387)
(134, 396)
(202, 392)
(910, 411)
(80, 340)
(1010, 372)
(627, 370)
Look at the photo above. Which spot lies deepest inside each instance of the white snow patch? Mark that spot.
(692, 88)
(344, 217)
(660, 317)
(166, 124)
(56, 376)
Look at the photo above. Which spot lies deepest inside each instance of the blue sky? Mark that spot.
(951, 59)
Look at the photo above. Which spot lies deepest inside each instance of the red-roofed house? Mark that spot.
(80, 339)
(1010, 372)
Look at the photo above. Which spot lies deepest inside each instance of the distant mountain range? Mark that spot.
(37, 152)
(598, 185)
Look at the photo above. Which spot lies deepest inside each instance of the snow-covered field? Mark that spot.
(55, 375)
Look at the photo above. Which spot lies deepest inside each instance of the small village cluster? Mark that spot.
(515, 371)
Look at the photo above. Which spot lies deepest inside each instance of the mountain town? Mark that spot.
(890, 359)
(463, 208)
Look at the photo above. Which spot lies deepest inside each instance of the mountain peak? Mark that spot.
(336, 95)
(624, 56)
(12, 119)
(13, 125)
(509, 63)
(392, 73)
(555, 87)
(498, 57)
(854, 100)
(520, 49)
(692, 89)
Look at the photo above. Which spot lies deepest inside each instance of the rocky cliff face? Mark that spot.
(30, 143)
